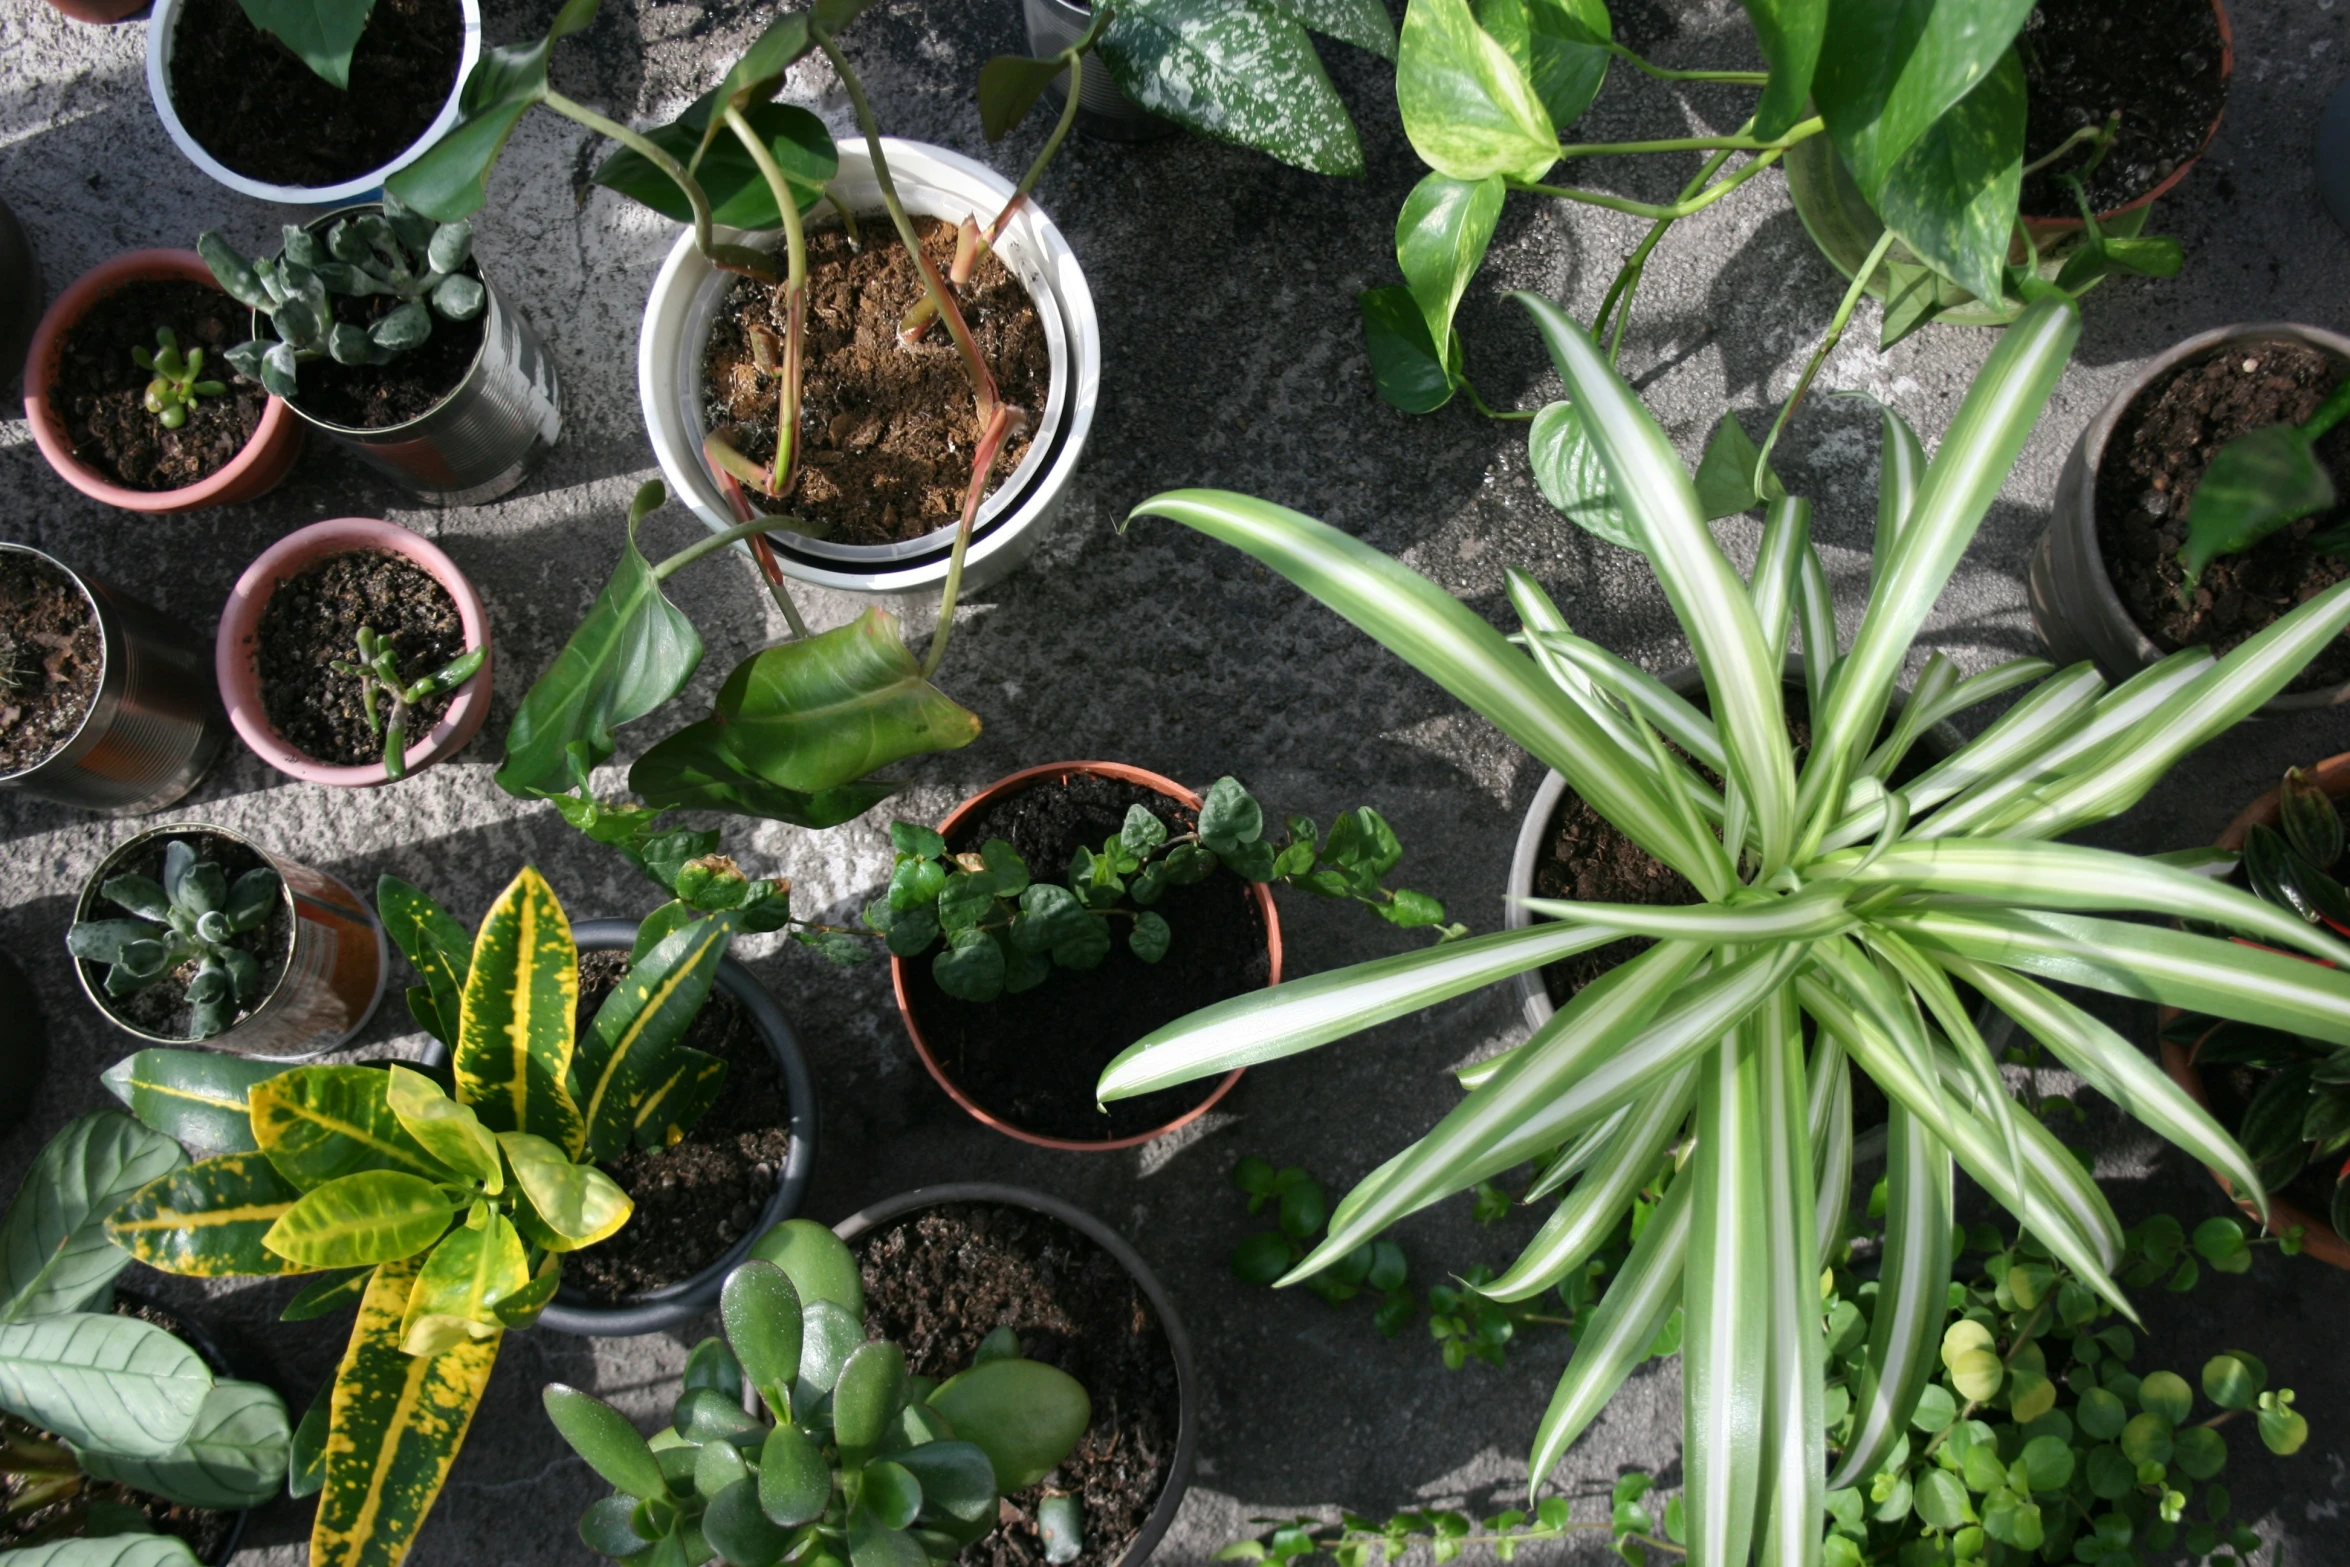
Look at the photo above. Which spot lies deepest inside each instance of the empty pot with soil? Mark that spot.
(701, 1202)
(293, 969)
(1026, 1063)
(253, 115)
(292, 674)
(887, 431)
(94, 407)
(105, 704)
(945, 1266)
(2106, 583)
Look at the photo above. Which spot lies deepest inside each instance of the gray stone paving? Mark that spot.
(1226, 287)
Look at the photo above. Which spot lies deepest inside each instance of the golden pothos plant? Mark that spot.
(444, 1216)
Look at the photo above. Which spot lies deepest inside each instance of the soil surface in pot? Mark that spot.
(206, 1531)
(2155, 62)
(100, 392)
(697, 1197)
(249, 100)
(939, 1281)
(1585, 858)
(1032, 1059)
(313, 620)
(2146, 482)
(887, 432)
(162, 1008)
(52, 657)
(376, 397)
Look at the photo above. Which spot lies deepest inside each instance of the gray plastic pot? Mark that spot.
(1533, 995)
(1162, 1516)
(2074, 605)
(675, 1304)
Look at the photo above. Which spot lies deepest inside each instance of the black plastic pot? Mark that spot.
(20, 296)
(675, 1304)
(1162, 1516)
(208, 1350)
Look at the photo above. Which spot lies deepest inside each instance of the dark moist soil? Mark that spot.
(100, 392)
(699, 1196)
(1586, 859)
(205, 1530)
(2146, 482)
(162, 1008)
(887, 432)
(313, 619)
(376, 397)
(250, 101)
(1032, 1059)
(51, 660)
(2156, 61)
(939, 1281)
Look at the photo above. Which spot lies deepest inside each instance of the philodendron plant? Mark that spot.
(857, 1462)
(1924, 101)
(444, 1215)
(323, 32)
(122, 1399)
(2263, 480)
(1829, 894)
(194, 915)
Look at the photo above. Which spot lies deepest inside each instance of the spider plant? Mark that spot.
(1829, 894)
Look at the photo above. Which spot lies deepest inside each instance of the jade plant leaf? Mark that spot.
(795, 1481)
(958, 1482)
(55, 1256)
(1440, 240)
(1468, 107)
(451, 180)
(1242, 71)
(1025, 1415)
(819, 1263)
(828, 1336)
(602, 1435)
(761, 1311)
(738, 1529)
(1951, 196)
(872, 1388)
(322, 32)
(195, 1097)
(1404, 362)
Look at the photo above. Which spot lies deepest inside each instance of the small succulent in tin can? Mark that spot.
(178, 379)
(196, 913)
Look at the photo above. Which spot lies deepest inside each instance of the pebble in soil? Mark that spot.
(51, 660)
(313, 620)
(100, 391)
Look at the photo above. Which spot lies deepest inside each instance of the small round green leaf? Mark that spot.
(2147, 1439)
(1150, 937)
(891, 1494)
(2234, 1380)
(1941, 1500)
(2200, 1452)
(761, 1310)
(2166, 1393)
(604, 1529)
(872, 1388)
(602, 1435)
(2047, 1463)
(794, 1480)
(819, 1262)
(2101, 1414)
(1024, 1415)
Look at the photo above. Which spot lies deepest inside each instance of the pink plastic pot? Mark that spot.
(253, 472)
(236, 658)
(100, 11)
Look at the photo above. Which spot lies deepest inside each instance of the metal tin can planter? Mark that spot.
(236, 649)
(679, 1303)
(20, 295)
(1171, 1491)
(487, 434)
(2074, 604)
(162, 33)
(263, 464)
(336, 959)
(155, 725)
(933, 182)
(1103, 109)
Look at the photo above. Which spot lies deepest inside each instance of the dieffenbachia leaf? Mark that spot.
(514, 1049)
(55, 1256)
(1242, 71)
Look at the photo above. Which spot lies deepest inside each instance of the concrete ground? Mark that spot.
(1225, 285)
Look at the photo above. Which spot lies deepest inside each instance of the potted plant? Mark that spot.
(352, 653)
(1017, 986)
(2198, 506)
(384, 332)
(20, 280)
(112, 712)
(194, 932)
(943, 1268)
(2274, 1089)
(1829, 895)
(99, 12)
(103, 411)
(119, 1416)
(308, 105)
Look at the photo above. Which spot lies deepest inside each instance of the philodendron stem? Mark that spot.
(1741, 142)
(1478, 403)
(1648, 209)
(785, 468)
(1843, 316)
(1000, 425)
(1627, 282)
(1052, 144)
(729, 258)
(1666, 74)
(983, 388)
(755, 531)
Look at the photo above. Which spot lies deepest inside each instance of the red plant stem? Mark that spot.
(786, 469)
(1000, 425)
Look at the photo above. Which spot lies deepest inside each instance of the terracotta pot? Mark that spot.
(1026, 778)
(2318, 1238)
(99, 11)
(252, 473)
(2074, 605)
(1162, 1516)
(236, 650)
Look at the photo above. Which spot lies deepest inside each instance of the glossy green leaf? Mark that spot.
(320, 32)
(55, 1255)
(447, 1130)
(1405, 365)
(1725, 473)
(514, 1051)
(1009, 86)
(738, 1530)
(325, 1296)
(1241, 73)
(1574, 479)
(436, 946)
(234, 1455)
(890, 1494)
(1468, 108)
(306, 1452)
(1440, 240)
(319, 1123)
(731, 180)
(1559, 44)
(208, 1220)
(1890, 69)
(464, 1277)
(761, 1310)
(623, 1053)
(795, 1482)
(685, 1086)
(828, 1336)
(1951, 197)
(578, 1203)
(2254, 485)
(102, 1382)
(819, 1263)
(602, 1435)
(957, 1479)
(196, 1097)
(1790, 33)
(1024, 1415)
(373, 1216)
(451, 180)
(872, 1388)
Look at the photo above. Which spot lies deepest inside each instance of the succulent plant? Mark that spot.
(175, 388)
(194, 913)
(859, 1462)
(395, 252)
(377, 669)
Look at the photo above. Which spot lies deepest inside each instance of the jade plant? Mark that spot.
(1924, 103)
(1828, 893)
(386, 696)
(178, 384)
(2263, 480)
(193, 916)
(441, 1207)
(395, 254)
(88, 1396)
(856, 1461)
(999, 929)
